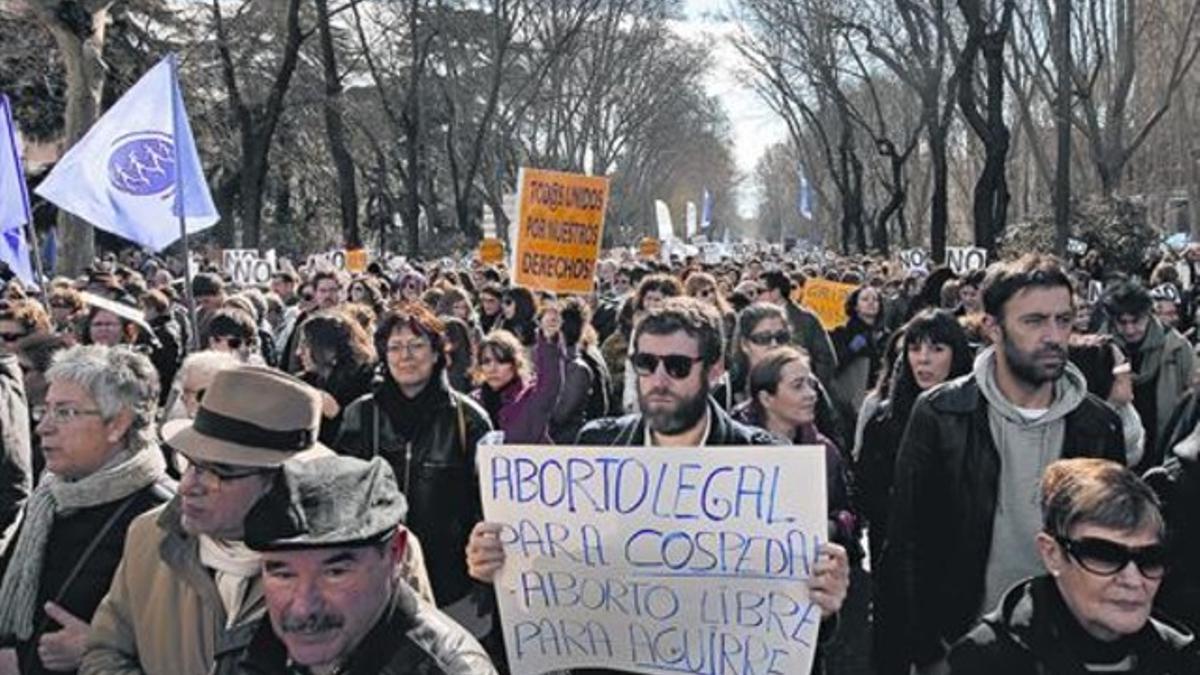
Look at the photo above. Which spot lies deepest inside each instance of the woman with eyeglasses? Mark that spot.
(1103, 543)
(429, 433)
(103, 469)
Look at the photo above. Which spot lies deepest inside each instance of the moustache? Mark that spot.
(313, 623)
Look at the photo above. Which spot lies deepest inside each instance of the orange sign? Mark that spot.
(560, 223)
(827, 299)
(491, 251)
(649, 247)
(356, 260)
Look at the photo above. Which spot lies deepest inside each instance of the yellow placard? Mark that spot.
(649, 247)
(827, 299)
(356, 260)
(491, 251)
(560, 223)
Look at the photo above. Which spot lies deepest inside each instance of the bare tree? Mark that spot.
(335, 129)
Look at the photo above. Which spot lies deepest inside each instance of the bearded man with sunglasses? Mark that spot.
(1102, 543)
(187, 596)
(677, 356)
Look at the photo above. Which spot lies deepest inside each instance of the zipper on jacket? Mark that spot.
(407, 466)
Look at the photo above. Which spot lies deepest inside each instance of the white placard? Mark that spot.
(1076, 246)
(657, 560)
(244, 266)
(914, 258)
(662, 214)
(964, 259)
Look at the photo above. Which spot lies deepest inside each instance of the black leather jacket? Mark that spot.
(411, 638)
(436, 471)
(942, 510)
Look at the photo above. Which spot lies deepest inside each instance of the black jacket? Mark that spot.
(942, 511)
(411, 638)
(70, 536)
(874, 471)
(1177, 483)
(169, 355)
(631, 430)
(17, 475)
(436, 471)
(1026, 635)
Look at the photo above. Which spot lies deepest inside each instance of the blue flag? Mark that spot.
(14, 199)
(136, 170)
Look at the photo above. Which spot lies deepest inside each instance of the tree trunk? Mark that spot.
(938, 208)
(80, 40)
(412, 129)
(335, 132)
(1062, 172)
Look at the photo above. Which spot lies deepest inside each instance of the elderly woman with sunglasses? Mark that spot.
(1103, 545)
(103, 468)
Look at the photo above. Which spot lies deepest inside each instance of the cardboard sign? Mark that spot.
(245, 267)
(914, 258)
(657, 560)
(827, 299)
(333, 260)
(356, 260)
(491, 251)
(560, 227)
(965, 259)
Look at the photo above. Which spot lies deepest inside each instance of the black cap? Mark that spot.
(326, 502)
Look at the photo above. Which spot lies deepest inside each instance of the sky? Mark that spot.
(755, 126)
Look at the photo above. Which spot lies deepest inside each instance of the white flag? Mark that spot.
(124, 175)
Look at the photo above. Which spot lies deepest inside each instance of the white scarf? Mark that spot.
(235, 566)
(123, 475)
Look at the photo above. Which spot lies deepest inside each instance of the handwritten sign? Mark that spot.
(560, 224)
(964, 259)
(827, 299)
(657, 560)
(245, 267)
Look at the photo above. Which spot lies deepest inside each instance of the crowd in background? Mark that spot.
(1013, 454)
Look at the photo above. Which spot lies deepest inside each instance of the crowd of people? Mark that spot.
(284, 480)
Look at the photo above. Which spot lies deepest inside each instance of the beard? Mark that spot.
(673, 419)
(1028, 367)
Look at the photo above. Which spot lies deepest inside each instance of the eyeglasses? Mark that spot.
(1107, 558)
(216, 473)
(62, 414)
(508, 301)
(781, 337)
(306, 297)
(408, 348)
(12, 337)
(230, 341)
(678, 366)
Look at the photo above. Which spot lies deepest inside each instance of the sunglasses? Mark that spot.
(769, 339)
(11, 337)
(678, 366)
(1107, 558)
(231, 342)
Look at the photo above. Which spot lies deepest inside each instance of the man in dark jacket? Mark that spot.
(677, 356)
(339, 518)
(807, 331)
(964, 507)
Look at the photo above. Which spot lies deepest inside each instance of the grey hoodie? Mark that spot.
(1026, 445)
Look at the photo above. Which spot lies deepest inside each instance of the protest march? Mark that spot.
(549, 430)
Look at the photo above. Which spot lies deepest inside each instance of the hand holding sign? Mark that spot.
(485, 553)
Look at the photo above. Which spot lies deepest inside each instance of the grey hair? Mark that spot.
(117, 378)
(205, 365)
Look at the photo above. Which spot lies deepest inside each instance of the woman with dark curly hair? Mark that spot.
(337, 357)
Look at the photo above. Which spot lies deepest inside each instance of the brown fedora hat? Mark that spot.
(251, 416)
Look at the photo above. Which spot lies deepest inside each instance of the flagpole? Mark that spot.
(33, 253)
(179, 203)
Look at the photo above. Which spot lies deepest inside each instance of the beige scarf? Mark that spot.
(122, 476)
